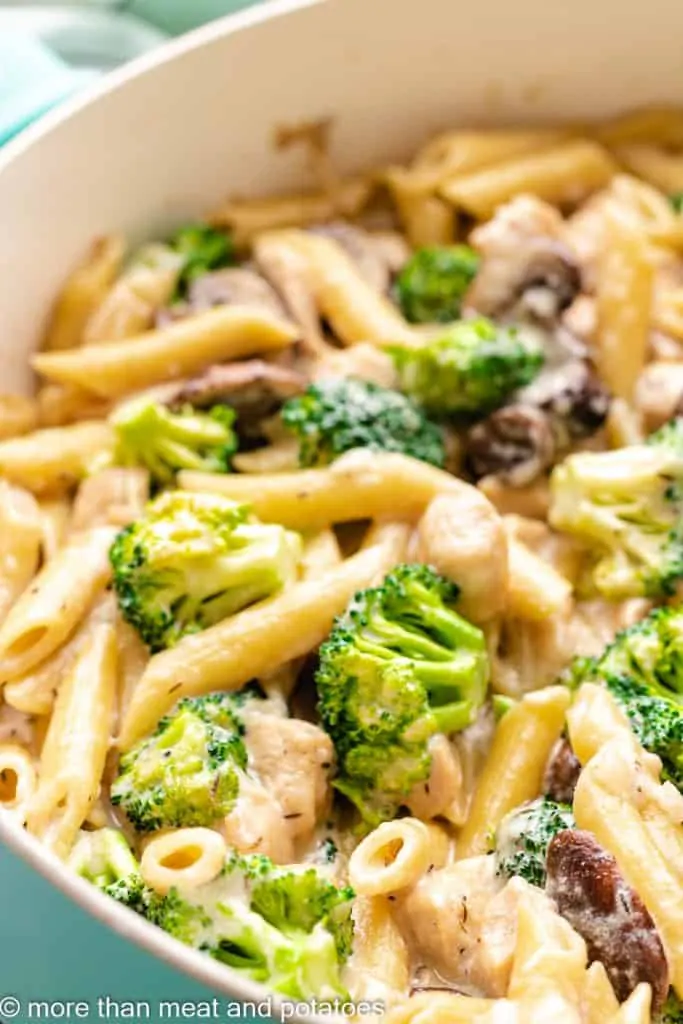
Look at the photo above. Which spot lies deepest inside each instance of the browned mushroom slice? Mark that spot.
(527, 270)
(515, 443)
(254, 388)
(377, 259)
(561, 773)
(585, 882)
(234, 286)
(520, 441)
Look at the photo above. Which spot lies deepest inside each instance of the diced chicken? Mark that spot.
(293, 760)
(365, 361)
(462, 536)
(255, 824)
(442, 793)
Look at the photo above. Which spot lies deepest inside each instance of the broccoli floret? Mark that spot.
(399, 666)
(431, 286)
(194, 559)
(672, 1011)
(289, 928)
(103, 857)
(523, 837)
(148, 434)
(334, 416)
(643, 670)
(469, 370)
(676, 200)
(188, 772)
(202, 248)
(627, 505)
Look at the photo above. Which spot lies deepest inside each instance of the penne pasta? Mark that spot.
(535, 589)
(564, 175)
(394, 856)
(17, 780)
(247, 218)
(83, 292)
(514, 768)
(656, 166)
(379, 962)
(52, 460)
(359, 485)
(624, 270)
(75, 747)
(18, 415)
(183, 859)
(167, 353)
(111, 497)
(49, 610)
(55, 514)
(662, 126)
(248, 645)
(20, 543)
(62, 404)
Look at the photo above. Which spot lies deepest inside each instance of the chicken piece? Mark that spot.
(287, 269)
(293, 759)
(112, 497)
(659, 393)
(463, 537)
(527, 270)
(442, 793)
(443, 916)
(256, 825)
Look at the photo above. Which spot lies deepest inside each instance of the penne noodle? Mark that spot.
(75, 748)
(18, 779)
(513, 771)
(355, 311)
(426, 219)
(321, 553)
(379, 963)
(359, 485)
(661, 126)
(49, 610)
(598, 995)
(175, 350)
(459, 152)
(183, 859)
(34, 692)
(623, 326)
(564, 175)
(111, 497)
(394, 856)
(657, 167)
(61, 404)
(252, 643)
(250, 217)
(280, 457)
(18, 415)
(55, 514)
(536, 590)
(52, 460)
(20, 543)
(83, 292)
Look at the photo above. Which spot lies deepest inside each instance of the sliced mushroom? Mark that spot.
(516, 444)
(520, 441)
(585, 882)
(378, 257)
(234, 286)
(561, 773)
(254, 388)
(527, 270)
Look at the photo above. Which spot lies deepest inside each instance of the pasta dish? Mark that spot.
(341, 547)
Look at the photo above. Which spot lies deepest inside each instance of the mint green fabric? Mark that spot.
(32, 80)
(180, 15)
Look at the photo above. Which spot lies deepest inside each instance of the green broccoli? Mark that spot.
(469, 370)
(399, 666)
(643, 670)
(334, 416)
(149, 434)
(194, 559)
(202, 248)
(524, 835)
(627, 505)
(431, 286)
(188, 771)
(103, 857)
(676, 200)
(672, 1011)
(288, 928)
